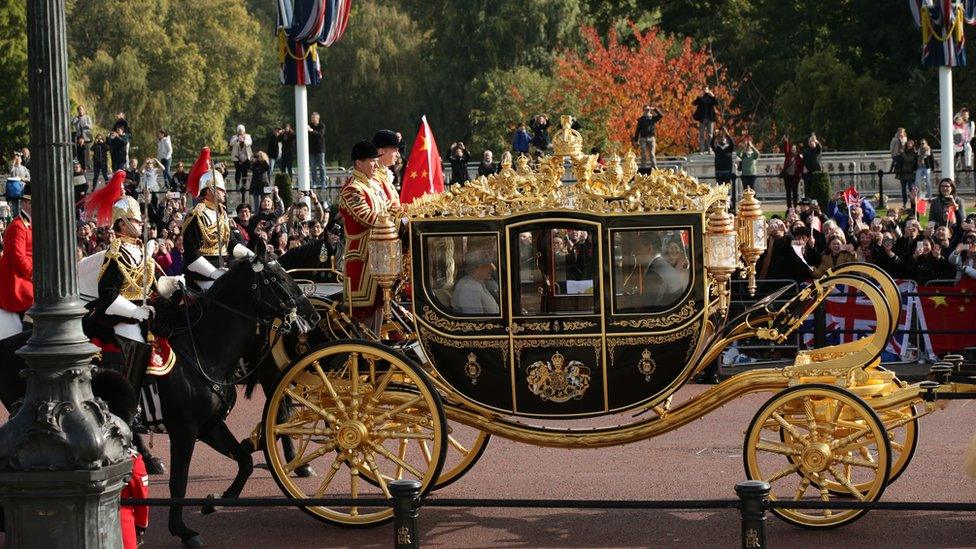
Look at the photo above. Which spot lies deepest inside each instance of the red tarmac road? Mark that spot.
(702, 460)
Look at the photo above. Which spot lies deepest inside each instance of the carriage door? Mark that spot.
(556, 317)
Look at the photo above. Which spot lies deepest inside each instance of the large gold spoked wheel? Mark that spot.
(351, 407)
(833, 439)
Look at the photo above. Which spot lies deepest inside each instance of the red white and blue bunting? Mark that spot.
(302, 26)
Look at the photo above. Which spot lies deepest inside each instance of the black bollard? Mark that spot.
(753, 494)
(881, 197)
(406, 501)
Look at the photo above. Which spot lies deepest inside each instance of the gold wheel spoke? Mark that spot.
(786, 425)
(897, 446)
(305, 459)
(324, 485)
(801, 489)
(835, 416)
(304, 431)
(332, 392)
(846, 482)
(457, 445)
(320, 411)
(810, 413)
(385, 416)
(372, 370)
(835, 444)
(825, 496)
(354, 489)
(374, 399)
(776, 447)
(403, 435)
(354, 384)
(400, 462)
(782, 473)
(424, 449)
(380, 479)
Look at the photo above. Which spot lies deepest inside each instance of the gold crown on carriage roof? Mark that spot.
(617, 188)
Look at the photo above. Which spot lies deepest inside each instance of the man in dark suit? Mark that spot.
(662, 283)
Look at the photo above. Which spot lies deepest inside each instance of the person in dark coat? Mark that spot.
(487, 166)
(459, 158)
(706, 107)
(724, 148)
(260, 170)
(287, 150)
(99, 155)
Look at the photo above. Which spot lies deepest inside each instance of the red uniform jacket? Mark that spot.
(132, 517)
(17, 267)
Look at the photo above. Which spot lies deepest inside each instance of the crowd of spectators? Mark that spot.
(809, 240)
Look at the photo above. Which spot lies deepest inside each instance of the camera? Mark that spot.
(268, 190)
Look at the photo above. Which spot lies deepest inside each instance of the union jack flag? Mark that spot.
(850, 316)
(943, 39)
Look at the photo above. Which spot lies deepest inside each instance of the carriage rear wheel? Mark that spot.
(350, 408)
(833, 439)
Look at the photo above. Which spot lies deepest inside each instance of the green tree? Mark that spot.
(826, 96)
(183, 69)
(503, 98)
(14, 123)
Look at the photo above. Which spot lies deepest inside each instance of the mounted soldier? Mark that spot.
(127, 278)
(209, 244)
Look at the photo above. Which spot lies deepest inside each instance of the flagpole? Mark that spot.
(945, 122)
(301, 134)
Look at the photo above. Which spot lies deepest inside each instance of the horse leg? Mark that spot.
(221, 439)
(182, 441)
(154, 465)
(287, 444)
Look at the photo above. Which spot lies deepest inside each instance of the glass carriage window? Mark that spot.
(651, 269)
(556, 270)
(462, 274)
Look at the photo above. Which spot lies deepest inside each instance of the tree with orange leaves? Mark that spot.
(610, 82)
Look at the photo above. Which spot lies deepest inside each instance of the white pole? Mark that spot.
(301, 133)
(945, 121)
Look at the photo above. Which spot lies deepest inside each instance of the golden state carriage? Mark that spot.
(508, 334)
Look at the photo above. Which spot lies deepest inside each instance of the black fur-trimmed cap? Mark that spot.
(385, 138)
(364, 150)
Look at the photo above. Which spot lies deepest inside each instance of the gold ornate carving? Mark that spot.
(455, 326)
(686, 312)
(546, 326)
(466, 343)
(616, 188)
(578, 324)
(557, 381)
(689, 331)
(567, 141)
(472, 368)
(521, 344)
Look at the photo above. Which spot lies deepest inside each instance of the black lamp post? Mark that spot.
(63, 456)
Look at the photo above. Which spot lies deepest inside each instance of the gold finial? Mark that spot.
(567, 141)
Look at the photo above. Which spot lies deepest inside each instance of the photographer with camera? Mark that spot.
(240, 152)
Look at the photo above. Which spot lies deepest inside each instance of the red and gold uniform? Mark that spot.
(361, 201)
(17, 266)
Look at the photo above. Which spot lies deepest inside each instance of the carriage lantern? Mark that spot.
(385, 258)
(751, 225)
(722, 252)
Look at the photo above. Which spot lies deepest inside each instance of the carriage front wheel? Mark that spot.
(832, 438)
(351, 409)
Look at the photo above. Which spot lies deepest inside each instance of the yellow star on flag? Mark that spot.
(423, 173)
(939, 300)
(962, 309)
(423, 142)
(413, 174)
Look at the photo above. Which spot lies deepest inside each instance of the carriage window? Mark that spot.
(556, 270)
(650, 269)
(462, 274)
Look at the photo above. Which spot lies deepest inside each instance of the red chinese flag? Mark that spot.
(948, 309)
(951, 214)
(424, 173)
(816, 224)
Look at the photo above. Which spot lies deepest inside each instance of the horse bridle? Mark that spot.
(277, 323)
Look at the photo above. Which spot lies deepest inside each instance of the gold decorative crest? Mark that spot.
(557, 381)
(472, 368)
(616, 188)
(646, 364)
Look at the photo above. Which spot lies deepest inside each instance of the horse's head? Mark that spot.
(275, 295)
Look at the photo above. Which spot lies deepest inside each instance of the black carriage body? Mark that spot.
(574, 334)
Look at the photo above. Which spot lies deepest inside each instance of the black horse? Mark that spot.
(208, 333)
(197, 395)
